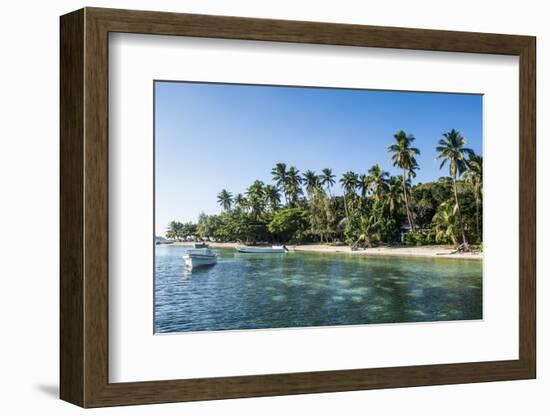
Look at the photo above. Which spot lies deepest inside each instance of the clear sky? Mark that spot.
(214, 136)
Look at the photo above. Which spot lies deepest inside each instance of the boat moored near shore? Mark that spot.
(272, 249)
(199, 256)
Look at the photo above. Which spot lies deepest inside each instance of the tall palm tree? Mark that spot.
(404, 157)
(328, 179)
(239, 201)
(279, 175)
(451, 149)
(394, 195)
(349, 182)
(311, 182)
(256, 198)
(378, 181)
(474, 175)
(293, 185)
(272, 197)
(225, 199)
(363, 185)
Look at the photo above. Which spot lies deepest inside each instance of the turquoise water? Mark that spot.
(247, 291)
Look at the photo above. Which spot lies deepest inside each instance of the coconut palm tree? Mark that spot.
(240, 201)
(256, 198)
(327, 179)
(444, 222)
(311, 182)
(370, 232)
(393, 196)
(279, 175)
(363, 185)
(378, 181)
(451, 149)
(404, 157)
(225, 199)
(293, 187)
(272, 197)
(474, 175)
(349, 182)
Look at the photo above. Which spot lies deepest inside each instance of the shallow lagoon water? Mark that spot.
(252, 291)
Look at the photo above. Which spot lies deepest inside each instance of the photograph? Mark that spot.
(298, 206)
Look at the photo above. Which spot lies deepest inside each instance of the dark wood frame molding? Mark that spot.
(84, 207)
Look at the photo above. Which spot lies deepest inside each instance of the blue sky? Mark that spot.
(214, 136)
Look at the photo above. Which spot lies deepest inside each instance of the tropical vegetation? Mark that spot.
(374, 207)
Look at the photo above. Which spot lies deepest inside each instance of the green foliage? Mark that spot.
(289, 224)
(445, 224)
(180, 231)
(208, 226)
(373, 207)
(420, 238)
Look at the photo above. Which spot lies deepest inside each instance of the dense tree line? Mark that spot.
(374, 207)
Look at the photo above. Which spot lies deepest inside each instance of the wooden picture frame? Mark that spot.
(84, 207)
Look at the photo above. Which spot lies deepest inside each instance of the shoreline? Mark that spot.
(436, 251)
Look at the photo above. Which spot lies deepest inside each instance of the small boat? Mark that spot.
(200, 245)
(199, 255)
(272, 249)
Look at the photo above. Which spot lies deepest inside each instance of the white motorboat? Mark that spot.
(200, 256)
(272, 249)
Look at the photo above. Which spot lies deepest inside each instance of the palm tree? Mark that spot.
(378, 181)
(451, 149)
(349, 182)
(394, 195)
(403, 156)
(225, 199)
(292, 185)
(256, 198)
(239, 201)
(311, 182)
(444, 222)
(279, 174)
(272, 196)
(363, 185)
(327, 179)
(474, 175)
(370, 232)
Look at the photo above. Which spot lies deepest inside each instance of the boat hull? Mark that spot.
(194, 261)
(199, 258)
(273, 249)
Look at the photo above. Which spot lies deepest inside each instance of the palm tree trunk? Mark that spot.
(346, 207)
(454, 240)
(464, 241)
(407, 202)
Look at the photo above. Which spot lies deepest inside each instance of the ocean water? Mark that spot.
(252, 291)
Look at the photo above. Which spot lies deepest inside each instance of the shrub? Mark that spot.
(419, 238)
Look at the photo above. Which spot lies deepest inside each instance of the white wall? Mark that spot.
(29, 208)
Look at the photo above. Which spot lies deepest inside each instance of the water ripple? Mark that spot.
(308, 289)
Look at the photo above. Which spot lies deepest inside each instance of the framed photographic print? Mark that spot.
(256, 207)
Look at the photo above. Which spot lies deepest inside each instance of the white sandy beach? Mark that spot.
(422, 251)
